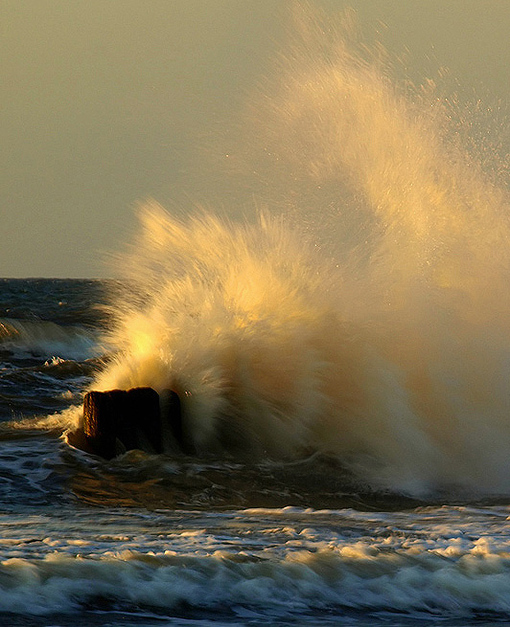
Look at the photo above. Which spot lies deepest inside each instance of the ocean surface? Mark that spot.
(177, 540)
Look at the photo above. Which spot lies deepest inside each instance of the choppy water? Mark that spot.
(171, 539)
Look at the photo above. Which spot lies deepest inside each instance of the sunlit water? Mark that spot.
(342, 363)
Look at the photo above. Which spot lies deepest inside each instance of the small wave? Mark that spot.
(311, 574)
(47, 339)
(55, 423)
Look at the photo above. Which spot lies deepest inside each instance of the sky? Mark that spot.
(106, 103)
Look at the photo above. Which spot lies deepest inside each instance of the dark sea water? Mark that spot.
(177, 540)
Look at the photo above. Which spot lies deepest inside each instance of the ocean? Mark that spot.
(342, 358)
(181, 539)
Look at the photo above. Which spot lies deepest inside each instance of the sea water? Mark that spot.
(341, 356)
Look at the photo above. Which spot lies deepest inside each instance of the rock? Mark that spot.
(120, 420)
(171, 414)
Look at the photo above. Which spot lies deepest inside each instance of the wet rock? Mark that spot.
(171, 418)
(120, 420)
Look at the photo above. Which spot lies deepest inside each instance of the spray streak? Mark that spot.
(392, 349)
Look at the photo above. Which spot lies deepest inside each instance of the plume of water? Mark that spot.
(365, 314)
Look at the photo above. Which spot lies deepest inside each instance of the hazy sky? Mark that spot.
(106, 102)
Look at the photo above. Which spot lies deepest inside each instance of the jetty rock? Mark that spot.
(117, 421)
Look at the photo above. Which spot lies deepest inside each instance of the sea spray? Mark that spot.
(364, 313)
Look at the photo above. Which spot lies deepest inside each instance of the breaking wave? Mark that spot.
(365, 313)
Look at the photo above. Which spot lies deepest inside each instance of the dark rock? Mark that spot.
(171, 414)
(120, 420)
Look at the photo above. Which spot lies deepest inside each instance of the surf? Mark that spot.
(363, 312)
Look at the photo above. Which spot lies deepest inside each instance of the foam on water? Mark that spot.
(267, 565)
(365, 312)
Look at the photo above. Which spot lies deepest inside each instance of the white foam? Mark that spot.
(400, 563)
